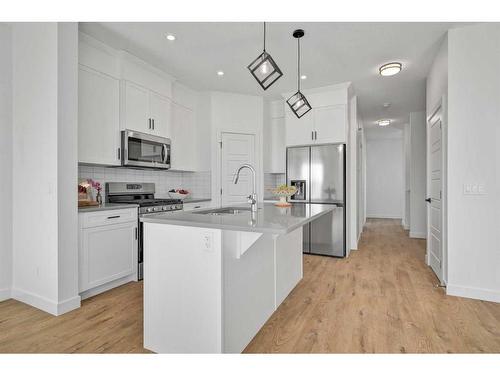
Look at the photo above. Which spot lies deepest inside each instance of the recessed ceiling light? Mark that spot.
(390, 69)
(387, 105)
(383, 122)
(170, 37)
(303, 76)
(220, 73)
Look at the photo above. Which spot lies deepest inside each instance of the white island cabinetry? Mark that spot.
(225, 275)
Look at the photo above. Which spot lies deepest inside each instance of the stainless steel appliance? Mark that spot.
(318, 172)
(141, 194)
(145, 150)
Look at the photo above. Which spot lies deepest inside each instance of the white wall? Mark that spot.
(418, 206)
(352, 175)
(45, 165)
(5, 161)
(474, 158)
(241, 114)
(437, 80)
(407, 174)
(384, 173)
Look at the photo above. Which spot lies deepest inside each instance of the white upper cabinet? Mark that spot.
(327, 122)
(330, 124)
(274, 138)
(135, 108)
(160, 113)
(144, 110)
(98, 117)
(298, 131)
(183, 146)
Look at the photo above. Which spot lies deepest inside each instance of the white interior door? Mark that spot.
(435, 195)
(237, 149)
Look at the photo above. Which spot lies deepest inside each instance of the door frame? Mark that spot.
(218, 170)
(442, 108)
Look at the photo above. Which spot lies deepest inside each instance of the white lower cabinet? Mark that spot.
(107, 250)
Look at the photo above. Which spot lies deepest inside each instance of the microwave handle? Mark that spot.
(164, 153)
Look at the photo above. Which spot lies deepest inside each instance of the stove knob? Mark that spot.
(157, 209)
(165, 208)
(179, 207)
(149, 209)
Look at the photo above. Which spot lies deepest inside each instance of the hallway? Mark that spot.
(382, 299)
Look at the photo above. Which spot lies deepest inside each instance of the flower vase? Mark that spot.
(98, 198)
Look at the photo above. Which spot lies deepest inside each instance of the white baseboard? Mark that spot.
(45, 304)
(383, 216)
(422, 235)
(5, 294)
(406, 227)
(475, 293)
(103, 288)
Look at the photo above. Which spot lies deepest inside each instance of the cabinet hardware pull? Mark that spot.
(136, 233)
(114, 217)
(315, 135)
(119, 154)
(153, 124)
(149, 123)
(312, 136)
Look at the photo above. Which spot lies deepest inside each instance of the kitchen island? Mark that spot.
(213, 277)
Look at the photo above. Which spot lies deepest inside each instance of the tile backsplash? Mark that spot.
(272, 180)
(198, 183)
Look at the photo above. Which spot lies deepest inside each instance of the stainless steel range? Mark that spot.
(142, 194)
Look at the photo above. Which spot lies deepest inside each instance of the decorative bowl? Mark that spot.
(283, 192)
(178, 195)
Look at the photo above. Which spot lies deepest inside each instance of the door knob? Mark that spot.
(428, 200)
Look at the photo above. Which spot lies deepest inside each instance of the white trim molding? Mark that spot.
(5, 294)
(421, 235)
(475, 293)
(42, 303)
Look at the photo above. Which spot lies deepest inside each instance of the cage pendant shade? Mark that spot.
(264, 69)
(298, 102)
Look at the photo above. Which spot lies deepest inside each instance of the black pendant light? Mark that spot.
(264, 69)
(298, 102)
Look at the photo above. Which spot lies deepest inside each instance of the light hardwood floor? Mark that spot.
(382, 299)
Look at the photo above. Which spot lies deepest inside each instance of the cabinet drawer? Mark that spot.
(196, 205)
(109, 217)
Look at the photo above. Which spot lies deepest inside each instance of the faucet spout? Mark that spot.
(253, 197)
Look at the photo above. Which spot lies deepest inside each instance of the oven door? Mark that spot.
(145, 150)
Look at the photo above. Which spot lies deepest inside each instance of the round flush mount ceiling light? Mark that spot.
(383, 122)
(170, 37)
(390, 69)
(220, 73)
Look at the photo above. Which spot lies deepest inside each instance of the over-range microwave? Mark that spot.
(145, 150)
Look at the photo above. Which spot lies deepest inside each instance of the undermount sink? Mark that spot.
(223, 211)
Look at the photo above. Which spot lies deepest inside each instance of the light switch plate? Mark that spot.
(474, 189)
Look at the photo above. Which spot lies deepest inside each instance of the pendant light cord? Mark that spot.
(298, 64)
(264, 37)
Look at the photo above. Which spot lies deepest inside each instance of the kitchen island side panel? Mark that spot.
(182, 289)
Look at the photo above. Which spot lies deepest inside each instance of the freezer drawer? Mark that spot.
(327, 234)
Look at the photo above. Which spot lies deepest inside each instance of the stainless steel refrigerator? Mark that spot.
(318, 172)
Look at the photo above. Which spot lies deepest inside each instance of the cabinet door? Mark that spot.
(107, 253)
(183, 138)
(278, 149)
(298, 131)
(330, 124)
(160, 114)
(98, 117)
(136, 108)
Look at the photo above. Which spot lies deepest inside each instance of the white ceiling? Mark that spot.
(331, 53)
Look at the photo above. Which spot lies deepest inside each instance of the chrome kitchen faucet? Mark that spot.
(253, 197)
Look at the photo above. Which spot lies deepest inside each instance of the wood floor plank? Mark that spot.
(382, 299)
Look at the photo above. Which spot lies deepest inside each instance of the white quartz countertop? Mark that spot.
(106, 207)
(267, 219)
